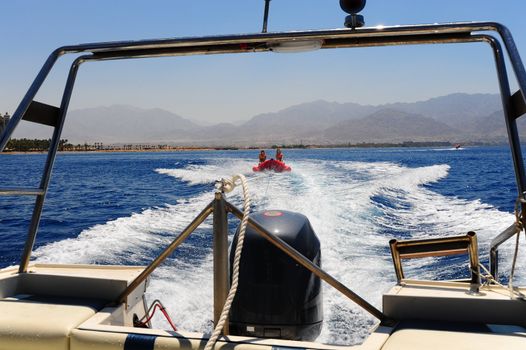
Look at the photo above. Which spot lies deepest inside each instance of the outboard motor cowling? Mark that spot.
(276, 297)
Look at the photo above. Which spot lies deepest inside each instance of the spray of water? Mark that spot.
(354, 207)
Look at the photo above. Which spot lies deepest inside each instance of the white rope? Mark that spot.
(228, 186)
(268, 184)
(488, 276)
(490, 279)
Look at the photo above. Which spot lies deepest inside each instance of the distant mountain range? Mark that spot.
(457, 117)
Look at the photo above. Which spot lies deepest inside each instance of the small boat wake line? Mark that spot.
(209, 173)
(354, 207)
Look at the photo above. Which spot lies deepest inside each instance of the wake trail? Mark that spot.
(355, 208)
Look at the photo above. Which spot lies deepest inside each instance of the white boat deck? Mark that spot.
(66, 307)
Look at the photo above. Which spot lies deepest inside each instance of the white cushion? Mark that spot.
(40, 323)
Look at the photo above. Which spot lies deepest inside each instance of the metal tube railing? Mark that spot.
(393, 34)
(515, 59)
(423, 248)
(264, 47)
(494, 249)
(461, 28)
(50, 161)
(513, 134)
(511, 122)
(309, 265)
(166, 252)
(28, 97)
(220, 207)
(19, 191)
(398, 35)
(221, 279)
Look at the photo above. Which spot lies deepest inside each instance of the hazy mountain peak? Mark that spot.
(455, 116)
(389, 111)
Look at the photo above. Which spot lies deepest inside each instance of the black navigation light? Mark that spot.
(352, 7)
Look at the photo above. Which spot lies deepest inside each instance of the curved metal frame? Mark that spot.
(443, 246)
(338, 38)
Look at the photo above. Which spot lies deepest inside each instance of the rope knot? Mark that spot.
(519, 219)
(228, 185)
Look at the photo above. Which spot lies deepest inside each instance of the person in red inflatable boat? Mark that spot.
(279, 155)
(262, 156)
(272, 164)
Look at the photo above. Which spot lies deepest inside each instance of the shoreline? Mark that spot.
(294, 147)
(115, 151)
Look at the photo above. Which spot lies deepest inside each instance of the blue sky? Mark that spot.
(226, 88)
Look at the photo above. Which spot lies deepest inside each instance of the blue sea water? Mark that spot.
(123, 208)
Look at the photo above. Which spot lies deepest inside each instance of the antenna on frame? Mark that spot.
(265, 16)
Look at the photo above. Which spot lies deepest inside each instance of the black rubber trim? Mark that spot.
(139, 342)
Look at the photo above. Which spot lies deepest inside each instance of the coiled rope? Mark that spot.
(228, 186)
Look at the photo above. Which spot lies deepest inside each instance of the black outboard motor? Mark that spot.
(276, 297)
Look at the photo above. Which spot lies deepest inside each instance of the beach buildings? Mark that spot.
(3, 121)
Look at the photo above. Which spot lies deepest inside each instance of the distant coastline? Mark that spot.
(139, 148)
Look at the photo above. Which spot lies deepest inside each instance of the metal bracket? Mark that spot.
(424, 248)
(42, 113)
(511, 231)
(517, 105)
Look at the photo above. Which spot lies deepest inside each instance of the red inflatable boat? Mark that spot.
(272, 164)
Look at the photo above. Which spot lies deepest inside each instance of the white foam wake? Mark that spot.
(354, 207)
(209, 173)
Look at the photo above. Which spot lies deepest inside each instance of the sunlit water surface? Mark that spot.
(124, 208)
